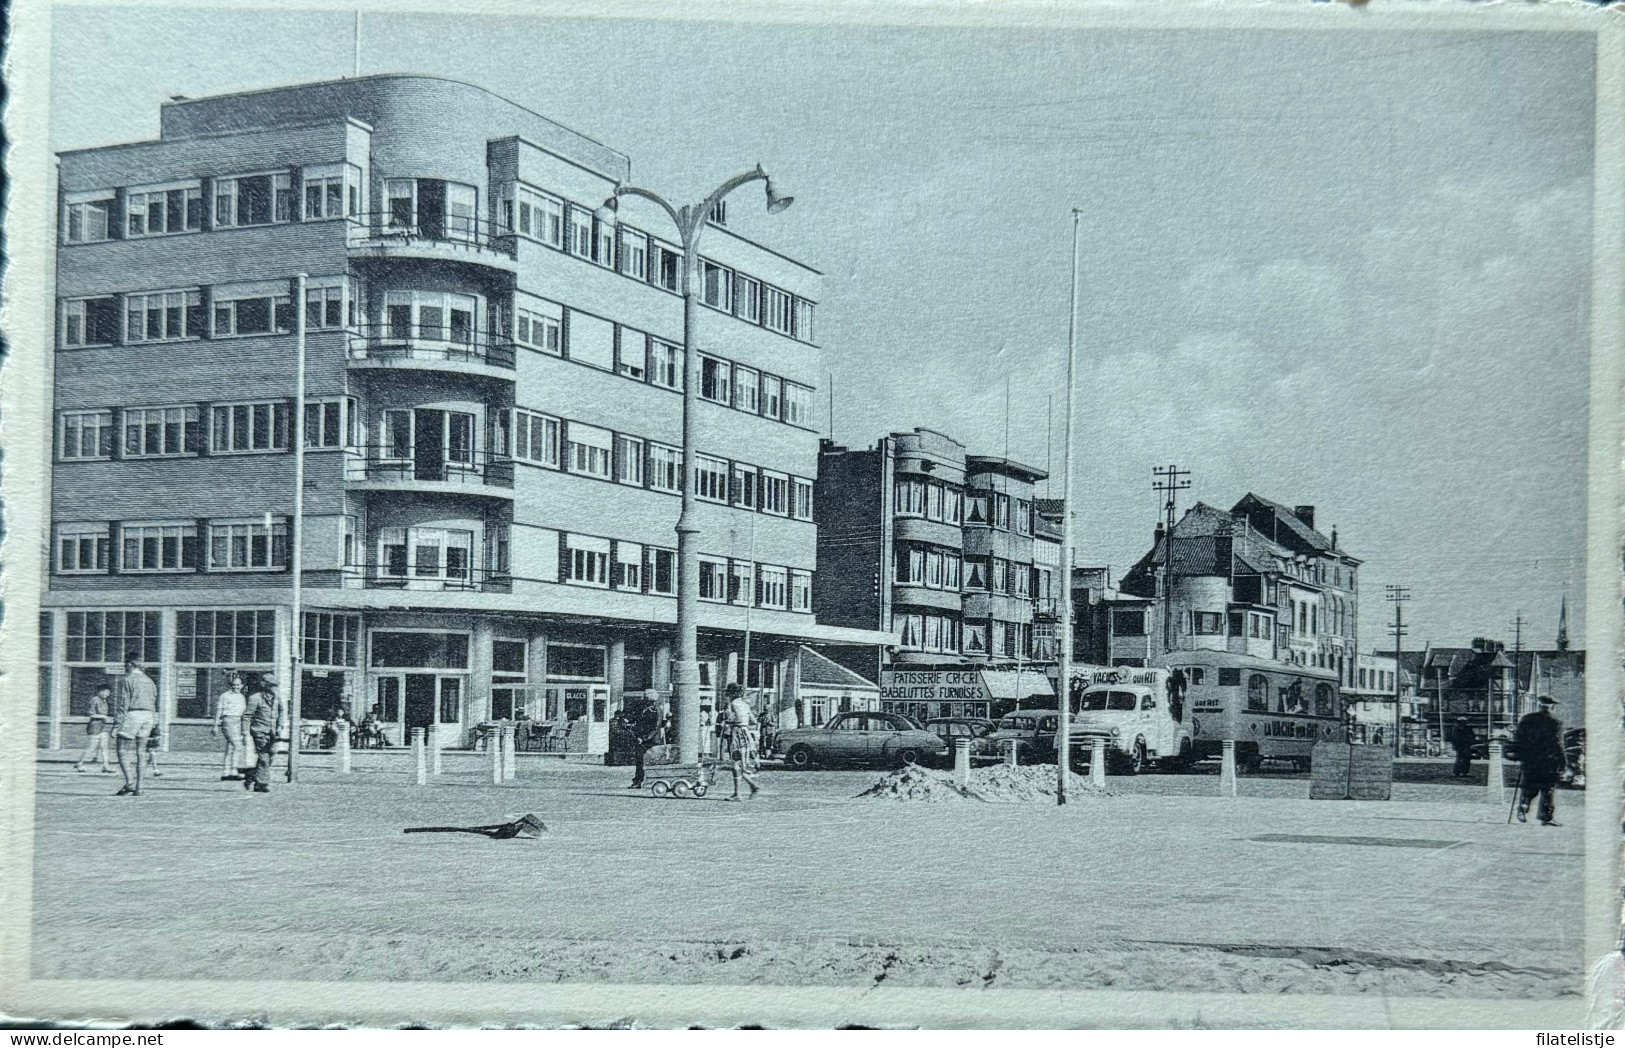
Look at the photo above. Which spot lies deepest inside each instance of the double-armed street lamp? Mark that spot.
(690, 222)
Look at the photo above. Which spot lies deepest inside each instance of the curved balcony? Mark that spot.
(397, 234)
(408, 348)
(933, 532)
(904, 594)
(446, 580)
(429, 469)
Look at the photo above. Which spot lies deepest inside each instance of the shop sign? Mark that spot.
(934, 685)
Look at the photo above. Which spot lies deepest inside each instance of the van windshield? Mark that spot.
(1096, 701)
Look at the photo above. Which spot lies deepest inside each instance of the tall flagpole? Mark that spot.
(296, 540)
(1063, 685)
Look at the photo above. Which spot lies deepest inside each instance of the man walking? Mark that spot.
(646, 733)
(1461, 738)
(1539, 741)
(97, 730)
(228, 721)
(266, 720)
(136, 701)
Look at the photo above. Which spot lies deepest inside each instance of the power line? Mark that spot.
(1398, 595)
(1170, 481)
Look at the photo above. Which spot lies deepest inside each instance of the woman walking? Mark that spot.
(228, 721)
(740, 740)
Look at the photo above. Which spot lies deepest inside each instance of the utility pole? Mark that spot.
(1398, 595)
(1063, 666)
(1171, 480)
(1517, 665)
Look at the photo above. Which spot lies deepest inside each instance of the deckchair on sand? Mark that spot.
(525, 826)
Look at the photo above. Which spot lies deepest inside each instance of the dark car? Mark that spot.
(859, 737)
(977, 729)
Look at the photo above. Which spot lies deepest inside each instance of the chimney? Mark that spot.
(1305, 514)
(1158, 539)
(1334, 537)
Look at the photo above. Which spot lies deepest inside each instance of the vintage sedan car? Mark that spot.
(859, 737)
(1033, 732)
(978, 730)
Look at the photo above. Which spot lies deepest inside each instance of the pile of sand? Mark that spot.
(999, 783)
(914, 783)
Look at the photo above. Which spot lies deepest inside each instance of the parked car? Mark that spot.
(978, 730)
(1033, 732)
(859, 737)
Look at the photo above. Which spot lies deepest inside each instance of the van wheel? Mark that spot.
(799, 758)
(1137, 759)
(1186, 757)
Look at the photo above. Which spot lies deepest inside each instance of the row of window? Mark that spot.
(308, 194)
(937, 632)
(583, 337)
(266, 308)
(430, 206)
(574, 229)
(586, 560)
(131, 547)
(933, 568)
(937, 501)
(576, 447)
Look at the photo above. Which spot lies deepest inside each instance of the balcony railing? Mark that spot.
(441, 578)
(392, 343)
(432, 465)
(1046, 608)
(405, 228)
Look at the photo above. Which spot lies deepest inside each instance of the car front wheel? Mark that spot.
(907, 755)
(799, 757)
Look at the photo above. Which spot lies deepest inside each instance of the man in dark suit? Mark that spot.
(645, 727)
(1462, 740)
(1539, 741)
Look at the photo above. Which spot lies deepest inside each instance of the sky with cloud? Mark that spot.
(1349, 269)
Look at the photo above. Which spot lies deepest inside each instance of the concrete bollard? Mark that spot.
(962, 761)
(434, 748)
(1097, 761)
(1012, 752)
(493, 751)
(1227, 770)
(1495, 782)
(342, 744)
(419, 757)
(509, 770)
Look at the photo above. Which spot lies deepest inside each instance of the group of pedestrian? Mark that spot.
(127, 714)
(1537, 744)
(737, 732)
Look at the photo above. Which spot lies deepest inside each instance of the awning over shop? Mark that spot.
(1018, 685)
(821, 675)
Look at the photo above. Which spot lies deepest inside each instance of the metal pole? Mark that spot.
(690, 222)
(750, 602)
(1438, 699)
(296, 539)
(1063, 682)
(685, 674)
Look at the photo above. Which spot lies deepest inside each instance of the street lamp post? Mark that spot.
(690, 222)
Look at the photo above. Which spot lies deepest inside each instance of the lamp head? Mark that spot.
(607, 211)
(775, 201)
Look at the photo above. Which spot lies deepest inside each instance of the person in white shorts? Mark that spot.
(228, 721)
(98, 728)
(136, 701)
